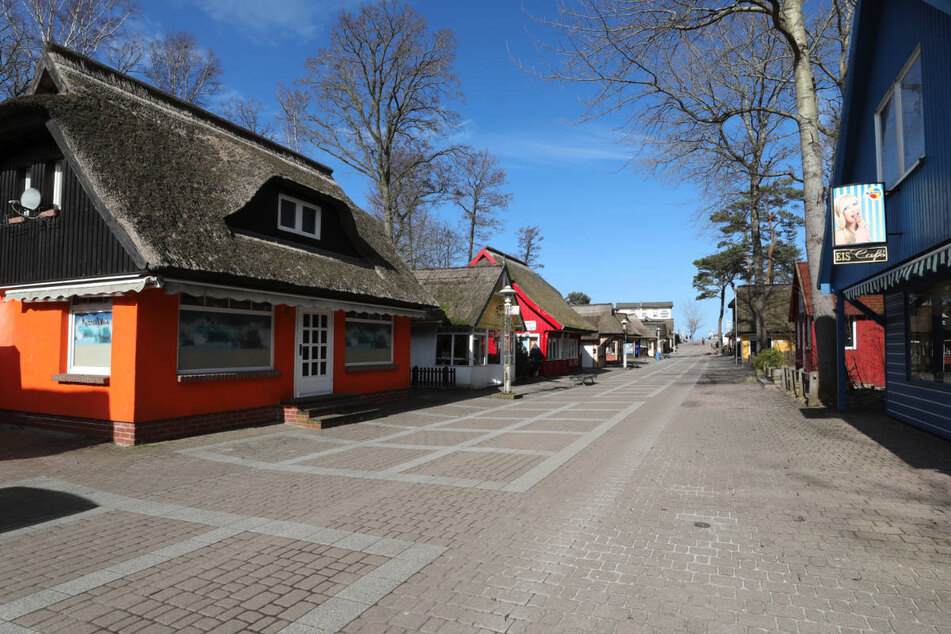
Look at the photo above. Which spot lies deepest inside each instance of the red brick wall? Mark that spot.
(127, 434)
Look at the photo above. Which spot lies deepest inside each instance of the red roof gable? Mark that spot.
(802, 285)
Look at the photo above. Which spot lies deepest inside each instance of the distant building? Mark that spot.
(654, 316)
(780, 330)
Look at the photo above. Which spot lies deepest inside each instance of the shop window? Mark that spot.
(479, 355)
(90, 336)
(929, 333)
(297, 216)
(443, 349)
(562, 347)
(495, 349)
(454, 349)
(217, 335)
(899, 125)
(368, 341)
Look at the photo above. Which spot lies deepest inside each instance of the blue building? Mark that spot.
(895, 136)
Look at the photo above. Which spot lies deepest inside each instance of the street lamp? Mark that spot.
(508, 351)
(624, 323)
(657, 352)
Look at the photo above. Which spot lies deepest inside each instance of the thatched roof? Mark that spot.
(602, 317)
(538, 290)
(464, 292)
(171, 173)
(777, 297)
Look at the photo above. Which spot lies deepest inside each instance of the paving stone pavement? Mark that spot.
(676, 497)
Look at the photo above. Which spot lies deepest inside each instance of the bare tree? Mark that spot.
(16, 58)
(478, 193)
(381, 85)
(85, 26)
(177, 65)
(529, 244)
(624, 46)
(247, 113)
(693, 317)
(444, 246)
(417, 187)
(293, 104)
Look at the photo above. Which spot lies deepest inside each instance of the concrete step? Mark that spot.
(334, 419)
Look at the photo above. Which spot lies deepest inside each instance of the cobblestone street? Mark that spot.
(676, 497)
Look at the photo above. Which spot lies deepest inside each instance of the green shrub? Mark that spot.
(768, 358)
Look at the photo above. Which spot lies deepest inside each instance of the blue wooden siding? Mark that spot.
(920, 208)
(922, 405)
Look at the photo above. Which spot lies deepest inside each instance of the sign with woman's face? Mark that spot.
(858, 214)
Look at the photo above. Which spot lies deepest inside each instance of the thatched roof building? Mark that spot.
(777, 298)
(537, 290)
(465, 294)
(602, 317)
(179, 187)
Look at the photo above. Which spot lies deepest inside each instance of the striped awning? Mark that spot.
(219, 291)
(63, 291)
(931, 262)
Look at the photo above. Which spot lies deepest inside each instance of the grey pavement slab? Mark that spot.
(685, 497)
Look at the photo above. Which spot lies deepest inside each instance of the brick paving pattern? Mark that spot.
(677, 497)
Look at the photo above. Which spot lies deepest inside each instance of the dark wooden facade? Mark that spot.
(924, 404)
(887, 34)
(259, 218)
(75, 243)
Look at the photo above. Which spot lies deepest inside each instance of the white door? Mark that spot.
(588, 356)
(314, 359)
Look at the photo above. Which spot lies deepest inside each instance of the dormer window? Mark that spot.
(297, 216)
(53, 184)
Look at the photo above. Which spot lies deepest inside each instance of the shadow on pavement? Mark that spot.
(916, 447)
(17, 443)
(25, 506)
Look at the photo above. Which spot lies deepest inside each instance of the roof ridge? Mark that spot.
(506, 256)
(134, 88)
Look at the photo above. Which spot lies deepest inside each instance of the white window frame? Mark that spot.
(853, 322)
(895, 91)
(58, 184)
(299, 216)
(103, 305)
(221, 309)
(389, 321)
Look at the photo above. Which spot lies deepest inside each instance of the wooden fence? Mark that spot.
(443, 376)
(801, 384)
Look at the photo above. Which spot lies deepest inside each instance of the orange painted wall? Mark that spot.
(34, 347)
(364, 382)
(160, 395)
(144, 379)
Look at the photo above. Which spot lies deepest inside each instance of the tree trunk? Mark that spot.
(813, 195)
(758, 291)
(387, 205)
(472, 227)
(720, 319)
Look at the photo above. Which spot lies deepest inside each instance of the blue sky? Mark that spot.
(609, 231)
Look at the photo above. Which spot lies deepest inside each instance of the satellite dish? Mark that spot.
(30, 199)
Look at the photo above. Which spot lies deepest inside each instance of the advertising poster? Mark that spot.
(858, 223)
